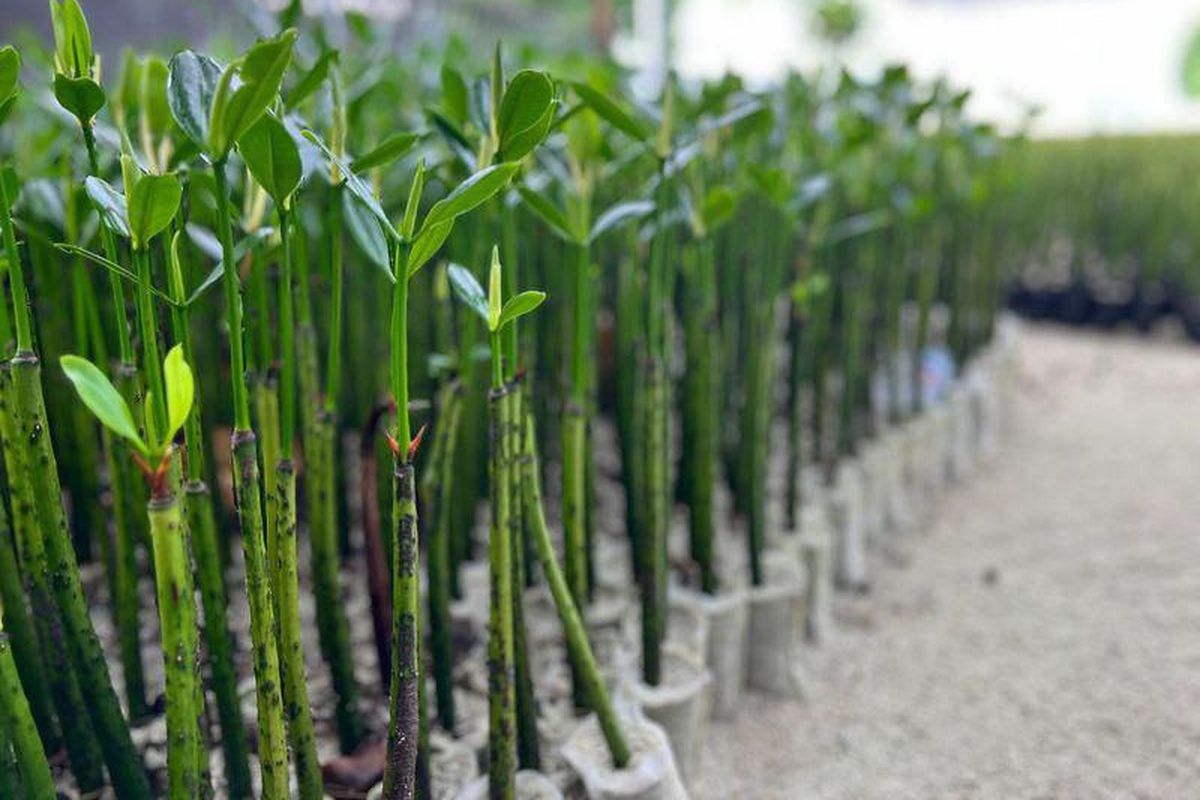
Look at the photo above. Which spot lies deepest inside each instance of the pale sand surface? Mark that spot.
(1041, 637)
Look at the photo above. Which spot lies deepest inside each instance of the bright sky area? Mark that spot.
(1093, 65)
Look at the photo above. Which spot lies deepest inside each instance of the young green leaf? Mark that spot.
(273, 158)
(312, 79)
(495, 291)
(454, 96)
(608, 110)
(386, 152)
(520, 305)
(152, 204)
(83, 97)
(191, 83)
(181, 390)
(475, 190)
(73, 54)
(259, 72)
(109, 203)
(428, 242)
(102, 399)
(550, 214)
(618, 214)
(365, 231)
(408, 223)
(526, 112)
(360, 188)
(10, 71)
(468, 290)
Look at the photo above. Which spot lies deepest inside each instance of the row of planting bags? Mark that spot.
(742, 638)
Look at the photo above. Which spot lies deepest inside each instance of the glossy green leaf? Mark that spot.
(472, 192)
(238, 105)
(102, 399)
(526, 111)
(495, 291)
(153, 203)
(191, 83)
(468, 290)
(386, 152)
(312, 79)
(12, 184)
(608, 110)
(73, 54)
(10, 71)
(618, 214)
(273, 158)
(520, 305)
(83, 97)
(550, 214)
(428, 242)
(361, 189)
(408, 223)
(181, 389)
(365, 231)
(109, 204)
(6, 107)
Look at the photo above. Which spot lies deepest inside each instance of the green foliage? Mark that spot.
(474, 191)
(153, 202)
(191, 84)
(468, 290)
(390, 149)
(273, 158)
(109, 203)
(102, 399)
(609, 110)
(83, 97)
(237, 105)
(525, 115)
(73, 54)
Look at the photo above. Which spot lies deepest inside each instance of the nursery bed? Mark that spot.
(1039, 639)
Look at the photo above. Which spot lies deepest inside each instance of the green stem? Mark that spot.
(320, 432)
(233, 303)
(528, 755)
(177, 618)
(23, 636)
(440, 638)
(83, 749)
(501, 699)
(568, 612)
(332, 625)
(17, 720)
(31, 432)
(399, 777)
(16, 272)
(272, 746)
(301, 735)
(124, 344)
(205, 549)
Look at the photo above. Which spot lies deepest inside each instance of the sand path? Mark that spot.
(1041, 638)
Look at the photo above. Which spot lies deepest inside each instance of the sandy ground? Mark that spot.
(1041, 638)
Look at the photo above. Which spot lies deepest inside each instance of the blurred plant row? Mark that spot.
(217, 272)
(1105, 220)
